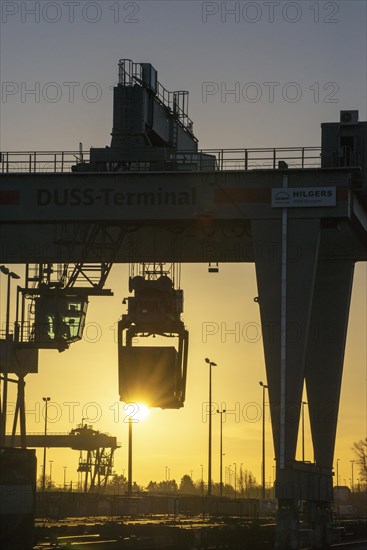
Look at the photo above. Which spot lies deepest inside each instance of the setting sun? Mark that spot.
(137, 411)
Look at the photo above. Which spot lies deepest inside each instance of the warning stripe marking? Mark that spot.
(9, 197)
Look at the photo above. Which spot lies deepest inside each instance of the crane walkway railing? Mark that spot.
(40, 161)
(204, 159)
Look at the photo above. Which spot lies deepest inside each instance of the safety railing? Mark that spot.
(266, 158)
(204, 159)
(41, 161)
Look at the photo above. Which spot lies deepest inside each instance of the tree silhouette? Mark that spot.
(187, 485)
(117, 484)
(48, 486)
(162, 487)
(360, 450)
(152, 487)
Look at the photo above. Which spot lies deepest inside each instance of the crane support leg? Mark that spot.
(325, 353)
(286, 257)
(301, 261)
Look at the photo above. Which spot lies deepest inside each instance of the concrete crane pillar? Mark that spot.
(304, 304)
(285, 271)
(325, 353)
(286, 257)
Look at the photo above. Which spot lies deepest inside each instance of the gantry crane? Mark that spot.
(300, 214)
(51, 311)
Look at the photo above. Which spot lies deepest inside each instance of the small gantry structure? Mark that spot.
(98, 463)
(96, 466)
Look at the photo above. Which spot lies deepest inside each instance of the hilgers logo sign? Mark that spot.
(303, 197)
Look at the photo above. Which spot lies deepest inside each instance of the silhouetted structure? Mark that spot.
(96, 467)
(303, 223)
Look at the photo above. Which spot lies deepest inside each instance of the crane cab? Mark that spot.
(59, 320)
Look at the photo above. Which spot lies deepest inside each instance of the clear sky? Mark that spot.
(292, 65)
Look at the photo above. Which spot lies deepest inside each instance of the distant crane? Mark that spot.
(96, 466)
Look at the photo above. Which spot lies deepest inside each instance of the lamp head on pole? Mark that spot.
(7, 271)
(263, 385)
(211, 363)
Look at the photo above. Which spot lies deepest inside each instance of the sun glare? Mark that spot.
(138, 411)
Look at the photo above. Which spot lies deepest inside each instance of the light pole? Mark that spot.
(229, 475)
(211, 364)
(221, 452)
(46, 400)
(202, 480)
(130, 459)
(6, 271)
(264, 387)
(10, 275)
(303, 430)
(137, 416)
(50, 461)
(337, 471)
(352, 463)
(235, 480)
(65, 467)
